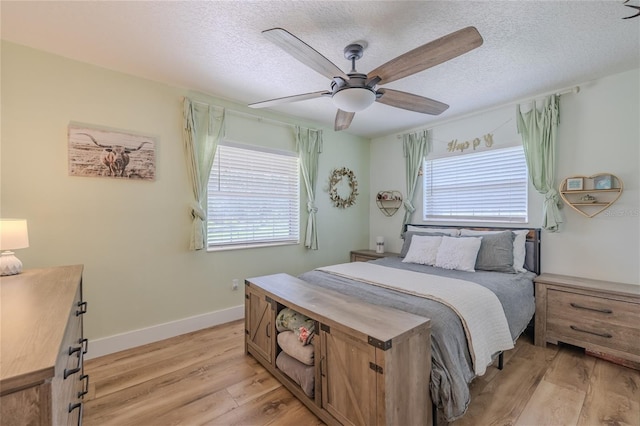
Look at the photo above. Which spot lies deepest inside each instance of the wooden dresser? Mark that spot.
(600, 316)
(42, 348)
(372, 363)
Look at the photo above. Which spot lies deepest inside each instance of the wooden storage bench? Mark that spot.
(372, 363)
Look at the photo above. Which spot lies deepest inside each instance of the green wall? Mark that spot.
(132, 237)
(598, 133)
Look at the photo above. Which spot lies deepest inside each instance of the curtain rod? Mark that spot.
(253, 116)
(567, 91)
(574, 90)
(259, 118)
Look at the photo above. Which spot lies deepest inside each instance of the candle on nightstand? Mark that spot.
(379, 244)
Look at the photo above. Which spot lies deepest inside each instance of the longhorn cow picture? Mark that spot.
(106, 153)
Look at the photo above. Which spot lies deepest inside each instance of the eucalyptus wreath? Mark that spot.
(336, 177)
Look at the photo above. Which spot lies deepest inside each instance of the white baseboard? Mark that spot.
(131, 339)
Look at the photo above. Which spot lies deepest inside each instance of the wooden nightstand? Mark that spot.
(367, 255)
(599, 316)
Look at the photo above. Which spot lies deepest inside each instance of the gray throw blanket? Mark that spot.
(451, 370)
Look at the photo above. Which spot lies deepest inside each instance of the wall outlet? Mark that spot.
(234, 284)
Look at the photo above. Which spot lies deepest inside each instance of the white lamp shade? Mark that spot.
(13, 234)
(354, 99)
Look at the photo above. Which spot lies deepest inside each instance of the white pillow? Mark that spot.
(423, 250)
(519, 246)
(454, 232)
(458, 253)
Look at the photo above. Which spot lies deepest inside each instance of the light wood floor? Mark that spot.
(205, 378)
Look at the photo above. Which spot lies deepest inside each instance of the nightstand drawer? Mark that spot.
(562, 304)
(581, 318)
(367, 255)
(600, 316)
(577, 331)
(362, 258)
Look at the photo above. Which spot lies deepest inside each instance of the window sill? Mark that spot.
(251, 246)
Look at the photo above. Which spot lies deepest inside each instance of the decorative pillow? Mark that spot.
(408, 237)
(423, 250)
(519, 248)
(458, 253)
(496, 253)
(529, 260)
(452, 232)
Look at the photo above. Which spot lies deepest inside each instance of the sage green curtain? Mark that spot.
(538, 129)
(309, 145)
(202, 129)
(415, 147)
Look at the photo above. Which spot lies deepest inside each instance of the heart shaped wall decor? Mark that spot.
(591, 195)
(389, 202)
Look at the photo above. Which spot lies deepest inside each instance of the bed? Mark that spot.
(452, 365)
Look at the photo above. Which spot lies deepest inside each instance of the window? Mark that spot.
(253, 198)
(487, 186)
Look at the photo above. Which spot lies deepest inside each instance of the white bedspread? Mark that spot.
(479, 309)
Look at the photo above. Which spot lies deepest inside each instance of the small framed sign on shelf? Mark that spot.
(602, 182)
(574, 184)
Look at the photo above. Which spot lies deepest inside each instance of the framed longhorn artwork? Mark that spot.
(98, 152)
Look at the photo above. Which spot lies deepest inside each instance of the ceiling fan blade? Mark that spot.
(343, 120)
(404, 100)
(428, 55)
(289, 99)
(303, 52)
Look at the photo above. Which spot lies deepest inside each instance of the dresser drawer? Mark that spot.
(599, 321)
(68, 383)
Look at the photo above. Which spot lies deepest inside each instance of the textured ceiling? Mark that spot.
(530, 47)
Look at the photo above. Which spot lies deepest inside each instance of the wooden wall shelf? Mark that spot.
(590, 198)
(389, 202)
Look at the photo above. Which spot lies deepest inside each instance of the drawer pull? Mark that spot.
(84, 346)
(82, 310)
(69, 372)
(601, 310)
(268, 330)
(605, 335)
(77, 406)
(73, 350)
(85, 386)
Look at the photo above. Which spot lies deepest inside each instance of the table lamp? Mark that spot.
(13, 235)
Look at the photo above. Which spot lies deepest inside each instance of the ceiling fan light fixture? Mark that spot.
(354, 99)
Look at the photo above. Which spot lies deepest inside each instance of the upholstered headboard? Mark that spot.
(532, 244)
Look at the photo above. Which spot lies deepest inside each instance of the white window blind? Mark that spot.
(490, 186)
(253, 198)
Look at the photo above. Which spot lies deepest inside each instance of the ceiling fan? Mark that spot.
(353, 92)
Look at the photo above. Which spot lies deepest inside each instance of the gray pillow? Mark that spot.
(496, 252)
(407, 240)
